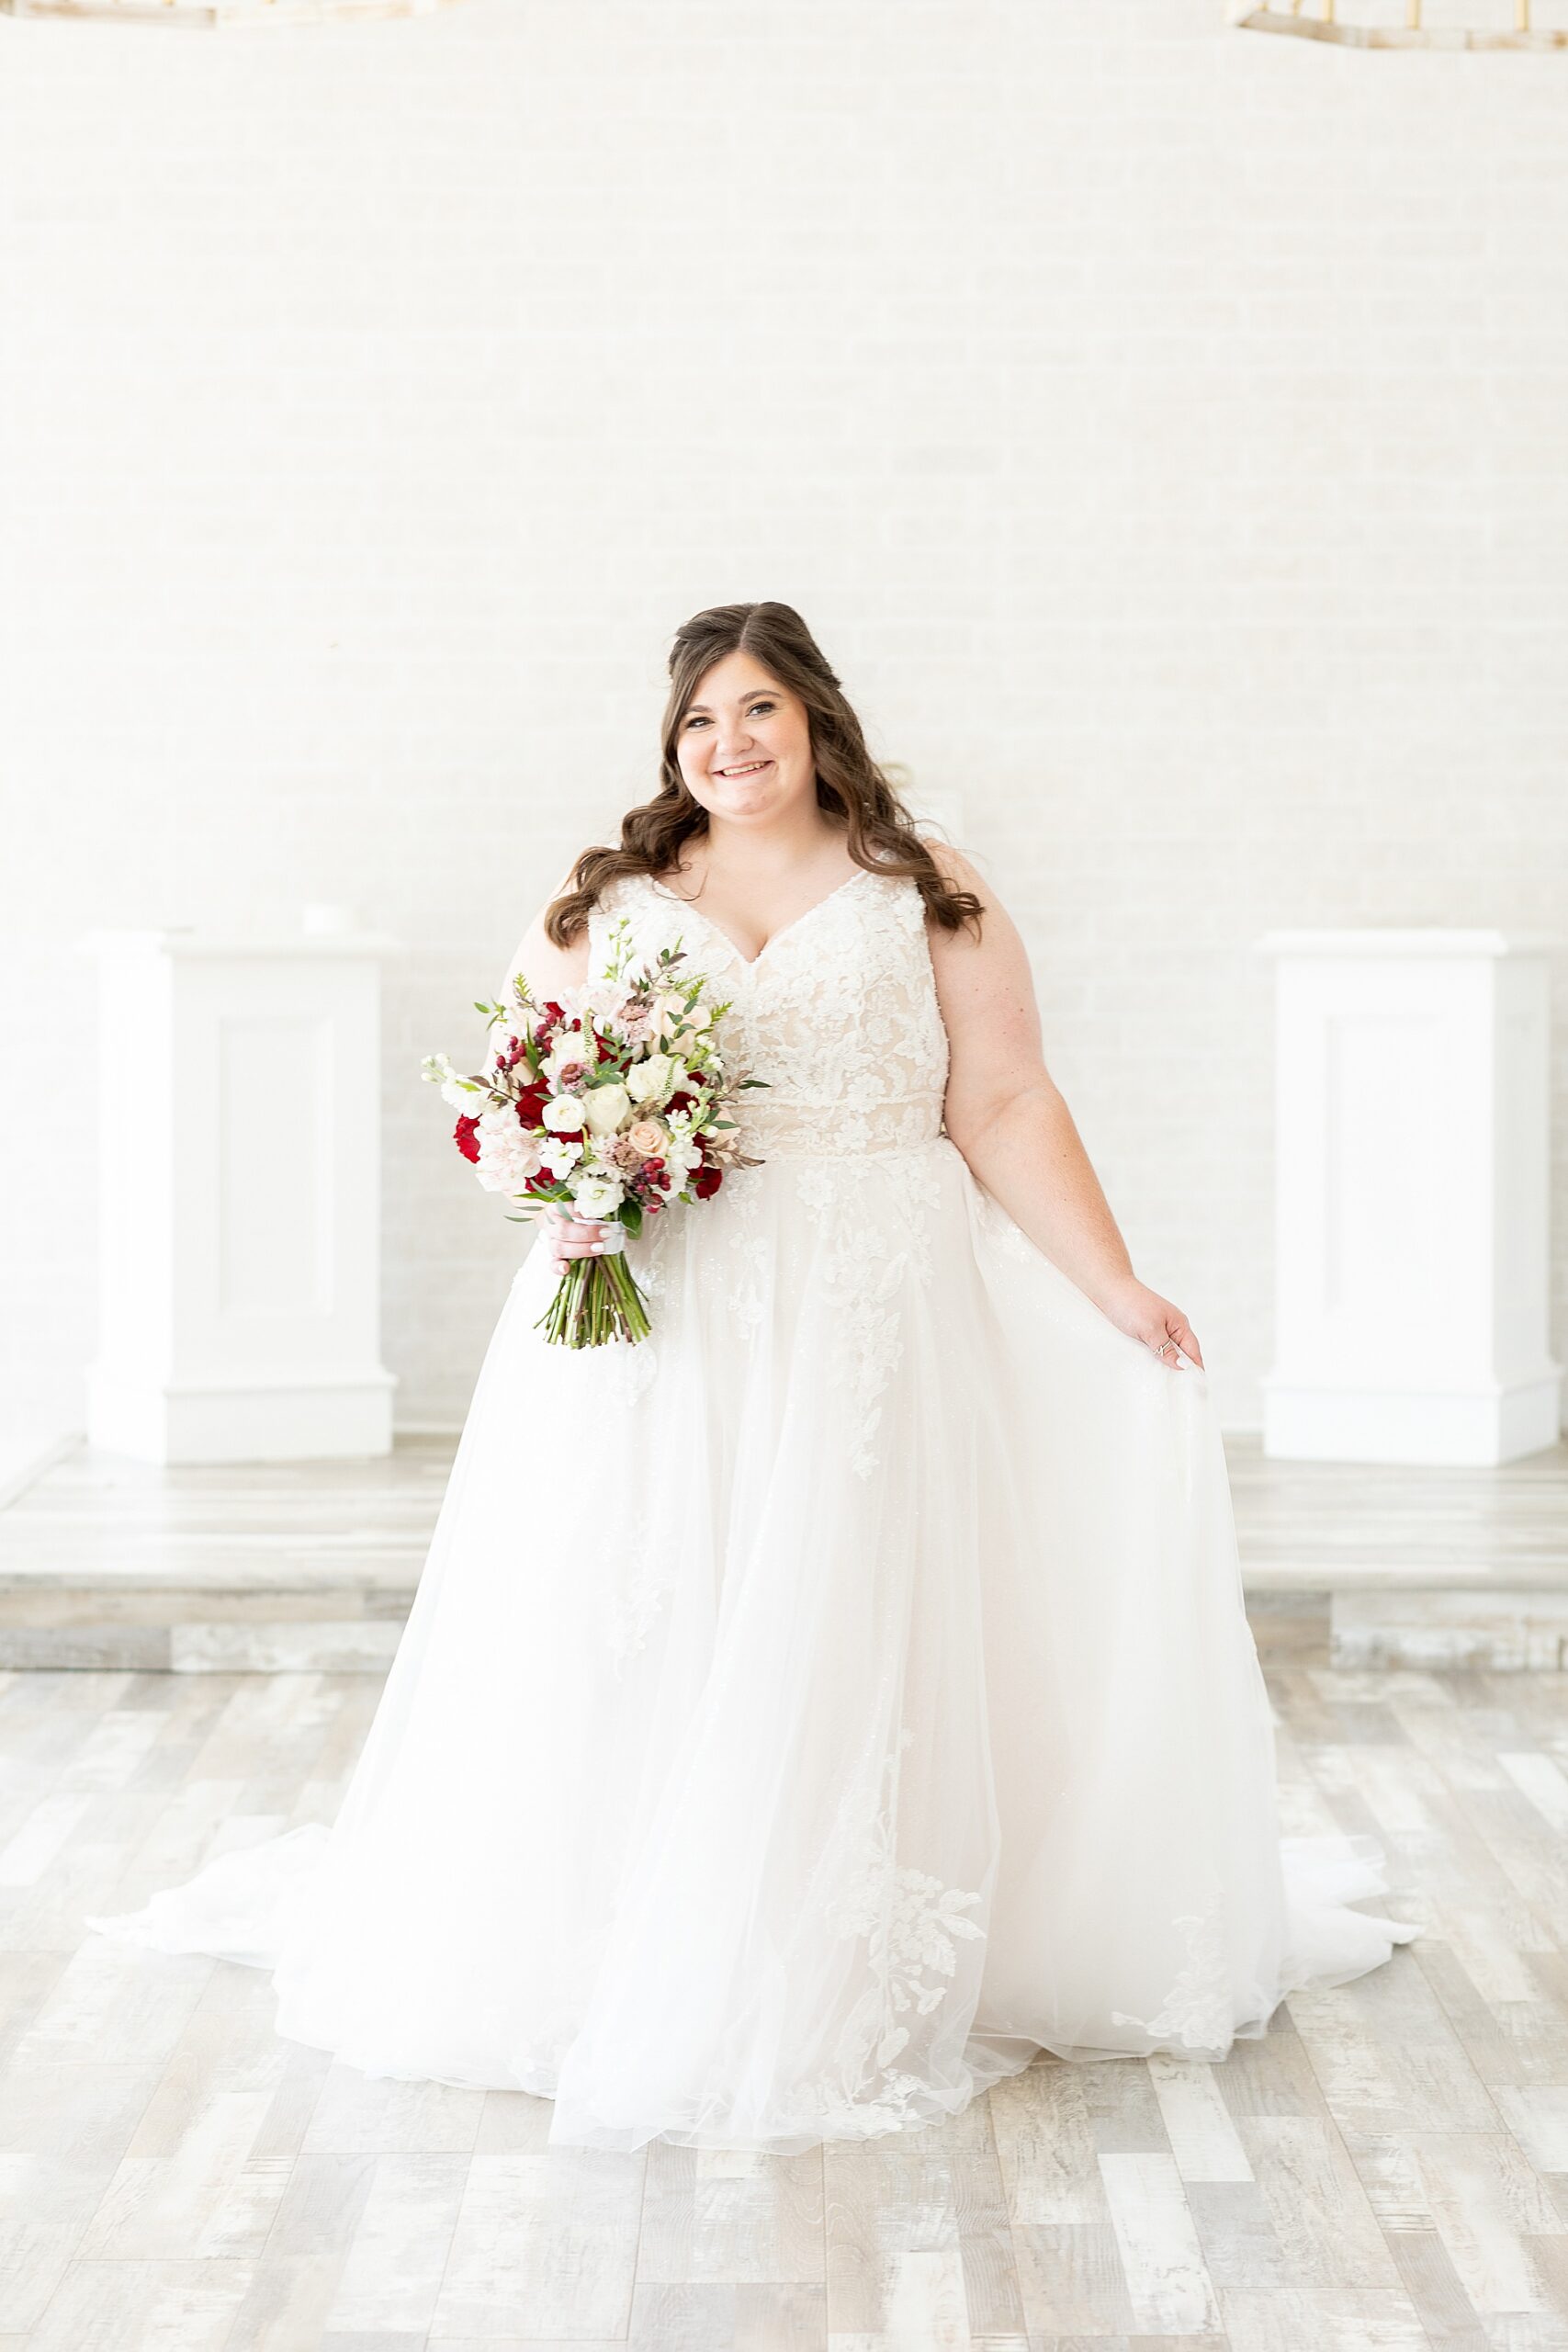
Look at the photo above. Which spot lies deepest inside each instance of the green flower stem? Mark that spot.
(633, 1306)
(596, 1300)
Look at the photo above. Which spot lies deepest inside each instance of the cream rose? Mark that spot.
(648, 1081)
(647, 1136)
(603, 1108)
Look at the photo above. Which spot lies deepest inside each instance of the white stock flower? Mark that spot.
(560, 1153)
(454, 1089)
(682, 1156)
(603, 1108)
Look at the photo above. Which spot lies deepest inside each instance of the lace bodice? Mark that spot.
(839, 1013)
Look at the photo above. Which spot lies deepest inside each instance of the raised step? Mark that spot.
(311, 1567)
(262, 1567)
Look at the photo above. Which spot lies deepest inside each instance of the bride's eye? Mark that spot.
(696, 718)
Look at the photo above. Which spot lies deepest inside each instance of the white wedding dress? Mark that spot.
(807, 1716)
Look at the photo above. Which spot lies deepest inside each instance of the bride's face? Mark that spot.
(744, 743)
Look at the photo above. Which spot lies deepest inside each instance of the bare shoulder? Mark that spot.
(956, 868)
(962, 874)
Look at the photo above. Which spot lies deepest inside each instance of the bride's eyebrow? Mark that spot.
(750, 697)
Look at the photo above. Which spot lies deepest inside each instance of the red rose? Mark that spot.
(531, 1104)
(607, 1051)
(680, 1101)
(464, 1134)
(706, 1182)
(554, 1012)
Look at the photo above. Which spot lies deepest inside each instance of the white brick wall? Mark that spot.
(1161, 425)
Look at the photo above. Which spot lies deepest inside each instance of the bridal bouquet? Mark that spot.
(612, 1105)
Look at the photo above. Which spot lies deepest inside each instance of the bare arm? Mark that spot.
(1006, 1115)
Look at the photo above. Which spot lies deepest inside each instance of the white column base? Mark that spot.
(1498, 1423)
(313, 1418)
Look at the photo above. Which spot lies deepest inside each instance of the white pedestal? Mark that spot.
(1411, 1193)
(239, 1095)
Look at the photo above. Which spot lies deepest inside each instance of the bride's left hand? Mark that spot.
(1144, 1314)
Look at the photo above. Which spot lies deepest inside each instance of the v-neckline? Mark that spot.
(749, 963)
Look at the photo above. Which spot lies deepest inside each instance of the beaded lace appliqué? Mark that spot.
(913, 1925)
(1196, 2011)
(874, 1220)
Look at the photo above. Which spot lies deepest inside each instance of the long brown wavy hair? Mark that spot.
(879, 831)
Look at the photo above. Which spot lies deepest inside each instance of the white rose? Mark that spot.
(603, 1108)
(648, 1081)
(563, 1114)
(598, 1196)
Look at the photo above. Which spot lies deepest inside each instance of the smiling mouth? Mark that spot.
(751, 768)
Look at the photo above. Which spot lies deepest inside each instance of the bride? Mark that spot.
(811, 1714)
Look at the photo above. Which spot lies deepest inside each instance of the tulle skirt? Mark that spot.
(810, 1715)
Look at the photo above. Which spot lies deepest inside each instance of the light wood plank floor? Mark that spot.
(1387, 2169)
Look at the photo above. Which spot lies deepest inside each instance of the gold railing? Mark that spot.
(1363, 27)
(217, 14)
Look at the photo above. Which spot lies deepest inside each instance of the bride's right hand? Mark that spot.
(567, 1238)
